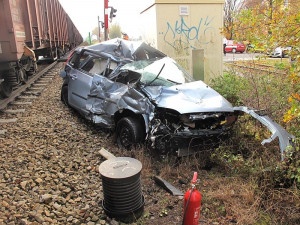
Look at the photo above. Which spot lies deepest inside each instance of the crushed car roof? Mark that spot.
(135, 50)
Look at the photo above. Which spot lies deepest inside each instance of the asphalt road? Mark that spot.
(230, 57)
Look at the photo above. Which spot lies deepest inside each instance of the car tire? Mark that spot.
(64, 94)
(233, 50)
(129, 132)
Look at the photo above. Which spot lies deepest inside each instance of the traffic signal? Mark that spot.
(112, 13)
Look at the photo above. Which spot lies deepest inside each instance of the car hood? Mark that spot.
(193, 97)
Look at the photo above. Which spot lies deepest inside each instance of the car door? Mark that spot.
(229, 46)
(105, 93)
(80, 81)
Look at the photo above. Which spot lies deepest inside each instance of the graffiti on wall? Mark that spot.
(181, 34)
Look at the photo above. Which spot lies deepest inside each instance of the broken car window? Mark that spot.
(172, 74)
(94, 65)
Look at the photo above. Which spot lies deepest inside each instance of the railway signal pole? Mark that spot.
(111, 16)
(105, 20)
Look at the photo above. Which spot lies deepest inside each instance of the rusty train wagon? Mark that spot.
(31, 30)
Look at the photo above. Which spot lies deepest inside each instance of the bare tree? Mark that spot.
(249, 4)
(231, 9)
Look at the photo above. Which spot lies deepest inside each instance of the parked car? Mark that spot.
(234, 46)
(144, 95)
(256, 49)
(281, 52)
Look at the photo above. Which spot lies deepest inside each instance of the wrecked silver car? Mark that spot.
(146, 96)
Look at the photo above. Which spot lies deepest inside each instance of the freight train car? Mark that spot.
(31, 30)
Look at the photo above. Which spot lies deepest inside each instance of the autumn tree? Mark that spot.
(270, 24)
(115, 31)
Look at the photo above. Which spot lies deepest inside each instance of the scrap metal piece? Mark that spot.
(166, 185)
(285, 139)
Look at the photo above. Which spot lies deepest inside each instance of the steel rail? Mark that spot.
(5, 102)
(257, 69)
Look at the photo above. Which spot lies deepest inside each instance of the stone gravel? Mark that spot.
(49, 164)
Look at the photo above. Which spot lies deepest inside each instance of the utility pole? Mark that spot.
(99, 38)
(105, 20)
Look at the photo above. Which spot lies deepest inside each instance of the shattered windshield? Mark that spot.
(171, 74)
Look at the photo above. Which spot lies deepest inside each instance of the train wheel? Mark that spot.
(60, 53)
(33, 69)
(22, 75)
(5, 89)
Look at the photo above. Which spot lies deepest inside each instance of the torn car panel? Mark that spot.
(285, 139)
(108, 97)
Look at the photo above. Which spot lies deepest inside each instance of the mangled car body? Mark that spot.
(145, 95)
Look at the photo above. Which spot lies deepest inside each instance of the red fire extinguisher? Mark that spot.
(192, 204)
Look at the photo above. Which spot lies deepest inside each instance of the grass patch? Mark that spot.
(276, 183)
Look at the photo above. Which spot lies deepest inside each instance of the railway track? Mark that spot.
(24, 95)
(259, 67)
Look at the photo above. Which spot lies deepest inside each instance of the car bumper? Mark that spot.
(286, 140)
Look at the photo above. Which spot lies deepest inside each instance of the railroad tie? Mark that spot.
(33, 93)
(40, 85)
(45, 79)
(36, 88)
(42, 82)
(8, 120)
(11, 111)
(21, 103)
(27, 97)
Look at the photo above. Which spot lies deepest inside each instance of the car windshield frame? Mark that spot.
(172, 73)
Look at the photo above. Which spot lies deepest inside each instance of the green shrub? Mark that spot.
(243, 154)
(230, 85)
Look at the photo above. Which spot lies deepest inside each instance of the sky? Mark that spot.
(84, 14)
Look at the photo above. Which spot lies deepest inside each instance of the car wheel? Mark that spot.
(233, 50)
(64, 94)
(129, 132)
